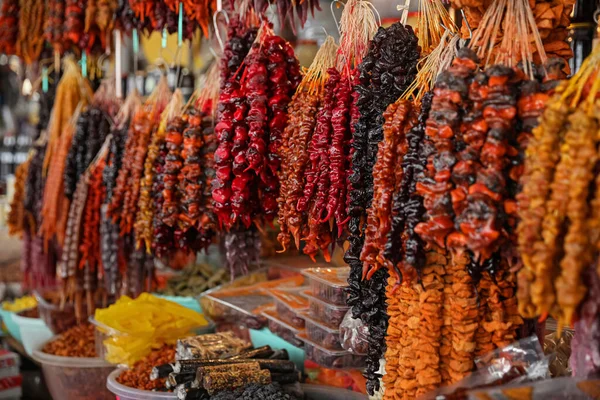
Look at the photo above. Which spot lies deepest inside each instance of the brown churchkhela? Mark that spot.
(296, 139)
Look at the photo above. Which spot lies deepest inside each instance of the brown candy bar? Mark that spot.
(216, 381)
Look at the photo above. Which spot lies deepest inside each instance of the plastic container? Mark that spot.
(34, 332)
(186, 301)
(264, 337)
(57, 319)
(333, 359)
(261, 275)
(104, 333)
(75, 378)
(126, 393)
(328, 284)
(281, 329)
(244, 309)
(11, 394)
(322, 334)
(292, 262)
(326, 313)
(289, 303)
(11, 325)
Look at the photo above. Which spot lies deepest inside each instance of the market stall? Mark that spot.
(407, 211)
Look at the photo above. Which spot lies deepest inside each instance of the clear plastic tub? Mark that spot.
(328, 284)
(126, 393)
(104, 333)
(34, 332)
(289, 303)
(10, 324)
(322, 392)
(322, 334)
(244, 309)
(186, 301)
(260, 276)
(75, 378)
(331, 358)
(292, 262)
(11, 394)
(281, 329)
(326, 313)
(56, 318)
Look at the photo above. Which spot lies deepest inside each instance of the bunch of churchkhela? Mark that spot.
(446, 232)
(259, 75)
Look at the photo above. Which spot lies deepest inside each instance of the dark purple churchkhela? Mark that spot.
(385, 73)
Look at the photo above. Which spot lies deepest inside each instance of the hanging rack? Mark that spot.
(377, 12)
(216, 26)
(100, 62)
(464, 17)
(337, 23)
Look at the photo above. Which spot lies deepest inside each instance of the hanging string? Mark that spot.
(57, 63)
(510, 22)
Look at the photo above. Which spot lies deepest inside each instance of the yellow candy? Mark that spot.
(139, 325)
(20, 304)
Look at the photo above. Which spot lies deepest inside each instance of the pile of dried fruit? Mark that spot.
(78, 341)
(138, 376)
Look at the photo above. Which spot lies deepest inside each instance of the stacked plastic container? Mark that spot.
(326, 310)
(285, 319)
(10, 377)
